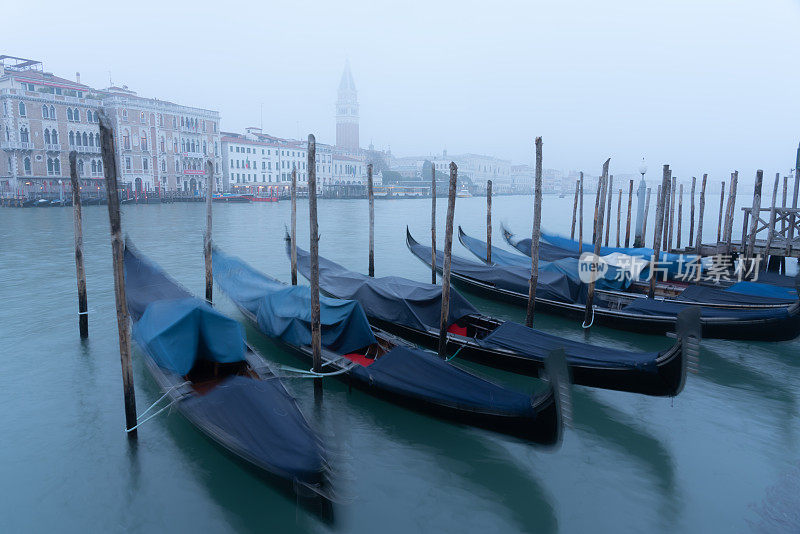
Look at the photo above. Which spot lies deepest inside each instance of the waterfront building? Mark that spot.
(160, 145)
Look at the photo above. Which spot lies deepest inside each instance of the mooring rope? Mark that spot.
(454, 354)
(162, 397)
(584, 325)
(311, 373)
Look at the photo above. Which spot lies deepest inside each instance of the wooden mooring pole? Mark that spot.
(371, 221)
(792, 218)
(691, 213)
(535, 234)
(207, 236)
(700, 217)
(783, 203)
(721, 204)
(610, 189)
(83, 305)
(433, 224)
(665, 192)
(731, 212)
(628, 224)
(588, 317)
(294, 227)
(118, 257)
(316, 330)
(619, 214)
(661, 215)
(489, 222)
(671, 213)
(771, 229)
(754, 213)
(574, 209)
(448, 246)
(646, 212)
(580, 218)
(680, 216)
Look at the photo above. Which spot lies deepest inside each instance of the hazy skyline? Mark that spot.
(706, 88)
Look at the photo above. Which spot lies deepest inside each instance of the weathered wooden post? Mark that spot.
(680, 216)
(667, 197)
(580, 218)
(294, 227)
(700, 220)
(588, 317)
(756, 210)
(668, 247)
(316, 330)
(793, 216)
(610, 198)
(489, 222)
(433, 224)
(596, 207)
(574, 210)
(537, 223)
(83, 306)
(771, 228)
(619, 214)
(783, 203)
(118, 256)
(646, 212)
(207, 236)
(448, 246)
(628, 224)
(732, 212)
(659, 224)
(721, 204)
(691, 213)
(371, 221)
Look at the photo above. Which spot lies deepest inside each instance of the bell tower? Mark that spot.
(347, 112)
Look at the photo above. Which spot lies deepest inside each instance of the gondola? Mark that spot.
(746, 295)
(552, 247)
(384, 365)
(222, 386)
(412, 310)
(558, 293)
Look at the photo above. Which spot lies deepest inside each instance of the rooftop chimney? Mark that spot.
(78, 77)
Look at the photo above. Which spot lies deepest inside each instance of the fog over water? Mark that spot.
(705, 86)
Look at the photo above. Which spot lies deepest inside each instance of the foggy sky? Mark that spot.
(706, 86)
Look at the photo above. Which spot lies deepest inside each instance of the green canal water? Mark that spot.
(723, 456)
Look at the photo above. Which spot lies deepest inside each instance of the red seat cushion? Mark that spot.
(359, 359)
(457, 330)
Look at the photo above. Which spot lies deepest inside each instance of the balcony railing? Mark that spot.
(85, 149)
(16, 145)
(50, 147)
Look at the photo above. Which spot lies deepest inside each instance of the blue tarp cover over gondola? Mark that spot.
(390, 298)
(552, 285)
(656, 307)
(538, 344)
(285, 311)
(612, 279)
(742, 293)
(263, 422)
(426, 376)
(178, 332)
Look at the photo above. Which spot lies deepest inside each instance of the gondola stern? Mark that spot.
(689, 333)
(558, 376)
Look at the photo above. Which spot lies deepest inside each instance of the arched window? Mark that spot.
(49, 165)
(163, 166)
(204, 147)
(77, 114)
(163, 144)
(45, 114)
(89, 116)
(52, 112)
(27, 164)
(47, 136)
(126, 140)
(100, 166)
(97, 139)
(57, 165)
(23, 135)
(143, 141)
(175, 145)
(177, 166)
(69, 114)
(80, 167)
(94, 167)
(23, 112)
(85, 139)
(71, 138)
(54, 136)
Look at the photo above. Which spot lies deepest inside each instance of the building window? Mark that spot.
(80, 167)
(126, 140)
(49, 165)
(85, 139)
(97, 140)
(45, 114)
(57, 165)
(26, 163)
(23, 135)
(127, 163)
(142, 118)
(52, 112)
(163, 166)
(163, 144)
(77, 114)
(23, 112)
(145, 164)
(94, 167)
(143, 141)
(71, 138)
(125, 114)
(47, 136)
(69, 114)
(54, 136)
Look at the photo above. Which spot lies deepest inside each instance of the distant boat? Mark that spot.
(263, 197)
(228, 197)
(463, 192)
